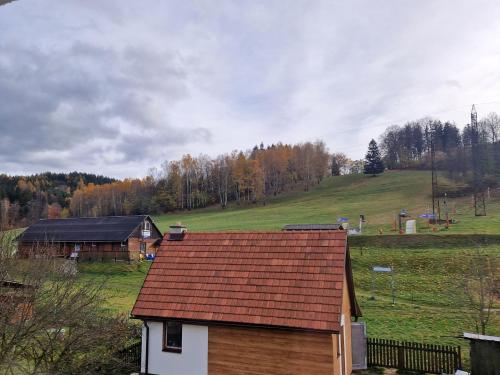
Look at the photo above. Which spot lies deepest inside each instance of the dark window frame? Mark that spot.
(171, 349)
(142, 247)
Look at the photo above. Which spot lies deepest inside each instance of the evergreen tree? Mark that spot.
(335, 167)
(373, 160)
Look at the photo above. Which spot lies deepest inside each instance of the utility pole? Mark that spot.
(435, 199)
(479, 199)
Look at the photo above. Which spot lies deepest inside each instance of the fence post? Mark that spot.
(401, 356)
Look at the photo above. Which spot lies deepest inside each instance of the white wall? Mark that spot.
(192, 361)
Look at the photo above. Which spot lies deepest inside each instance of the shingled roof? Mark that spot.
(287, 279)
(84, 229)
(313, 227)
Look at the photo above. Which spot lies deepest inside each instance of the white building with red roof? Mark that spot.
(249, 303)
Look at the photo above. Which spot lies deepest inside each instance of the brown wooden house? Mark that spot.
(247, 303)
(91, 238)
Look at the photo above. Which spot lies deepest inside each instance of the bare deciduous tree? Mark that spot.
(52, 323)
(478, 288)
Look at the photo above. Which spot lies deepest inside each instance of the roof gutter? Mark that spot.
(355, 309)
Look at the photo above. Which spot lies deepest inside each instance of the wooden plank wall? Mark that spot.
(346, 310)
(244, 351)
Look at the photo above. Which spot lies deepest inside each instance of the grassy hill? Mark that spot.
(426, 266)
(378, 198)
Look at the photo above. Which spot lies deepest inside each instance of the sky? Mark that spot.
(115, 87)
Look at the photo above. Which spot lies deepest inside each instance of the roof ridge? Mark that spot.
(90, 217)
(291, 233)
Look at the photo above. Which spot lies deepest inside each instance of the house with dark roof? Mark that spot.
(91, 238)
(247, 303)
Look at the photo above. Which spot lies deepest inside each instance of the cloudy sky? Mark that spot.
(116, 87)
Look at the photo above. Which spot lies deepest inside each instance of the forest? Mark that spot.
(25, 199)
(252, 176)
(409, 147)
(194, 182)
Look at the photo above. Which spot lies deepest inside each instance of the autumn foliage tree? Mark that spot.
(194, 182)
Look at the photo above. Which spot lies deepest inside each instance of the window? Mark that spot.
(172, 337)
(77, 247)
(143, 247)
(146, 229)
(123, 246)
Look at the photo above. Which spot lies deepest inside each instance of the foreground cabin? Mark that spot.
(484, 353)
(246, 303)
(91, 238)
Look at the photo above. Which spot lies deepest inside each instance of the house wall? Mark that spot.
(88, 251)
(346, 312)
(253, 351)
(134, 246)
(192, 360)
(29, 250)
(485, 357)
(335, 354)
(345, 340)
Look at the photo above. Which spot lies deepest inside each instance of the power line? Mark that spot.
(402, 121)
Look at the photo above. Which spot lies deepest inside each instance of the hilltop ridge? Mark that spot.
(378, 198)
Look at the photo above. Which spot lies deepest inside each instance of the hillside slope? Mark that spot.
(378, 198)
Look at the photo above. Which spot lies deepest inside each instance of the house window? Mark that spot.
(172, 337)
(123, 246)
(146, 229)
(143, 247)
(77, 247)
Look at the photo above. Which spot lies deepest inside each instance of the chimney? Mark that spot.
(176, 232)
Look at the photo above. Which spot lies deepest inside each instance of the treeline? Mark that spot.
(249, 177)
(25, 199)
(409, 147)
(195, 182)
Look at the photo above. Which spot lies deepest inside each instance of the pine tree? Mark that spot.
(373, 162)
(335, 167)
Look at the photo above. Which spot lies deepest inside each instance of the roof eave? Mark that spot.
(233, 324)
(355, 309)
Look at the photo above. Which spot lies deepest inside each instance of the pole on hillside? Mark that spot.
(479, 200)
(435, 205)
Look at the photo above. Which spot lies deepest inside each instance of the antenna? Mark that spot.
(478, 170)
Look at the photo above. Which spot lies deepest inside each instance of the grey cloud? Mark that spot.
(52, 100)
(116, 86)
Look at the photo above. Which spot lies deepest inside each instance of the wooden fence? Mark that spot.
(413, 356)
